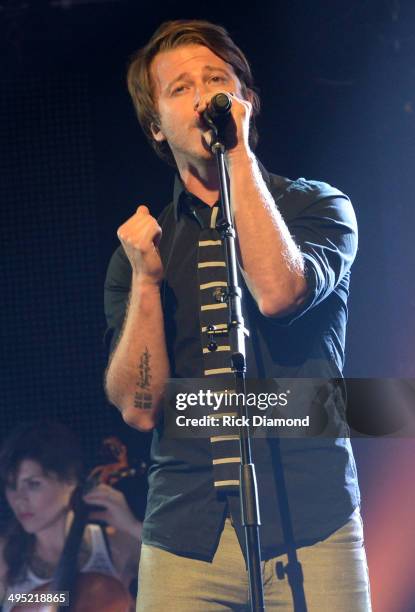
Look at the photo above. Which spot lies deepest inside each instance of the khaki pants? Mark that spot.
(335, 577)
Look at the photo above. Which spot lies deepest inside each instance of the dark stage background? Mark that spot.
(338, 104)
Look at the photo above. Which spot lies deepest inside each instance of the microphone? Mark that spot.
(218, 111)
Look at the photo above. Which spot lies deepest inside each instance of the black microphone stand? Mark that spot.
(237, 331)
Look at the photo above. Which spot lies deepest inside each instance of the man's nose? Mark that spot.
(201, 89)
(197, 97)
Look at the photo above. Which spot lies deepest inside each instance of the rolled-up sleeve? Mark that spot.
(323, 224)
(116, 292)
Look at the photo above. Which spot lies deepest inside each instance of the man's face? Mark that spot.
(181, 78)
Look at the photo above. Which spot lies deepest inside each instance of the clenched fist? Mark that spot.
(140, 236)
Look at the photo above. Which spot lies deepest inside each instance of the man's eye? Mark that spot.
(178, 89)
(218, 78)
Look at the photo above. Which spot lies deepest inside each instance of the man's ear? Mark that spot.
(249, 95)
(157, 133)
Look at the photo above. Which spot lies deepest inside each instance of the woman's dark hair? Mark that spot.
(57, 450)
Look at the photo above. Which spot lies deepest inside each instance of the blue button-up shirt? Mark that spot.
(315, 475)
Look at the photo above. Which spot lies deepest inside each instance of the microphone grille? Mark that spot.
(222, 102)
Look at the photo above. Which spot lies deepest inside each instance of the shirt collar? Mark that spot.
(182, 198)
(179, 196)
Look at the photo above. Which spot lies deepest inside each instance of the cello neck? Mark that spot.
(64, 577)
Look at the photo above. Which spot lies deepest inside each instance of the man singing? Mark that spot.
(296, 241)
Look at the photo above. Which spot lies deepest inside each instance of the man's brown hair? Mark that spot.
(173, 34)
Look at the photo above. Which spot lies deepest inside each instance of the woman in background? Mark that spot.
(40, 467)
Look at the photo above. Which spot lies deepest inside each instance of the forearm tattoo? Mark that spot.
(143, 397)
